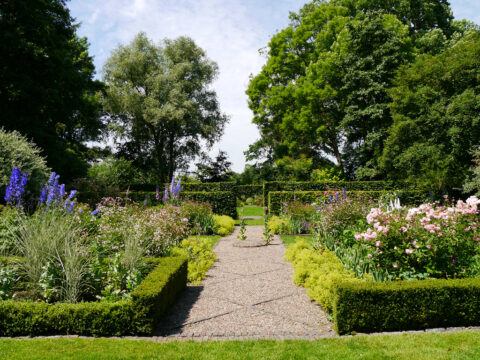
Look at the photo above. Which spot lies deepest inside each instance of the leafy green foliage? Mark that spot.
(114, 172)
(318, 272)
(159, 102)
(48, 91)
(224, 225)
(17, 151)
(200, 255)
(436, 118)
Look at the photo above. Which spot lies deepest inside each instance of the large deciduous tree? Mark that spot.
(160, 102)
(47, 89)
(323, 92)
(436, 112)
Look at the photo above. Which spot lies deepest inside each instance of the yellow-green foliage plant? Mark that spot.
(200, 255)
(318, 271)
(224, 225)
(278, 225)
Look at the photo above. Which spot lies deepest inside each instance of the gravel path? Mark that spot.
(248, 293)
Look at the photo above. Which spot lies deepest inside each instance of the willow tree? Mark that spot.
(160, 104)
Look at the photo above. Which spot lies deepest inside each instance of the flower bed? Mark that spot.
(388, 268)
(137, 315)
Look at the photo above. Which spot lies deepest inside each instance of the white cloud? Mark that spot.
(230, 31)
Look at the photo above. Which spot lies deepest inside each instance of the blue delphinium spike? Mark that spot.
(43, 195)
(72, 205)
(344, 193)
(72, 194)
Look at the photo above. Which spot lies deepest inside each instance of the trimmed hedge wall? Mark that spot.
(135, 316)
(249, 190)
(223, 202)
(277, 198)
(406, 305)
(322, 186)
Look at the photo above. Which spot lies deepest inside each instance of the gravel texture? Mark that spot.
(248, 293)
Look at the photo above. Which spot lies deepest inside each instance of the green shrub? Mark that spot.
(277, 225)
(319, 272)
(199, 215)
(136, 316)
(17, 151)
(113, 172)
(224, 225)
(201, 257)
(406, 305)
(222, 202)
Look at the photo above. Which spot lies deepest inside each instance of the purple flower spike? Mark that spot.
(95, 212)
(330, 199)
(344, 193)
(72, 194)
(336, 197)
(178, 188)
(157, 194)
(52, 178)
(61, 191)
(72, 205)
(43, 195)
(165, 195)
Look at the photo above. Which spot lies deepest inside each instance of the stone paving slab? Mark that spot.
(248, 293)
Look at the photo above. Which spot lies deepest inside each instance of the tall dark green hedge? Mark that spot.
(136, 316)
(406, 305)
(322, 186)
(223, 202)
(276, 199)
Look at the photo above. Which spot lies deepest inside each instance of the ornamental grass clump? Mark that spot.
(426, 241)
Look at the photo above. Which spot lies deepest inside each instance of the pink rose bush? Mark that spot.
(425, 241)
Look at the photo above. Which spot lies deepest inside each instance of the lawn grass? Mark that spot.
(291, 239)
(251, 211)
(418, 346)
(250, 222)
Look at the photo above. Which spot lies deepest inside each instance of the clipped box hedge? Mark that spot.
(223, 202)
(135, 316)
(277, 198)
(406, 305)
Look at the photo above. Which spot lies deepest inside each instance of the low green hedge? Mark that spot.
(277, 198)
(134, 316)
(223, 202)
(360, 305)
(406, 305)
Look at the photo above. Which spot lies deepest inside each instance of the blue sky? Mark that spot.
(230, 31)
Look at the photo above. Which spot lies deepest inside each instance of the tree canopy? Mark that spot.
(160, 104)
(47, 89)
(341, 81)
